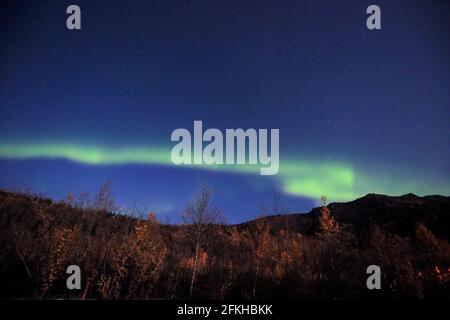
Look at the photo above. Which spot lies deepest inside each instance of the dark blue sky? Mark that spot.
(358, 110)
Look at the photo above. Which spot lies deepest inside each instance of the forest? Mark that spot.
(319, 255)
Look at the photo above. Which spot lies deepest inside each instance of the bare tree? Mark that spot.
(276, 205)
(200, 218)
(257, 239)
(84, 200)
(104, 199)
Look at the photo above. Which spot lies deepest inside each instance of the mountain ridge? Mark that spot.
(403, 212)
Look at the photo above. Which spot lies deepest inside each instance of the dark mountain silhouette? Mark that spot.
(399, 214)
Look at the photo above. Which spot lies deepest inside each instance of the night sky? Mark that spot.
(359, 111)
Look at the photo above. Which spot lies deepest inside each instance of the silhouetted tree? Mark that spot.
(200, 219)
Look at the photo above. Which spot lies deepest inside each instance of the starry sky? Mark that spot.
(359, 111)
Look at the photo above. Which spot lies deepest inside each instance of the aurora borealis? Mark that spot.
(309, 179)
(359, 111)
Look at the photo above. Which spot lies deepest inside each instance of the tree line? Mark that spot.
(124, 257)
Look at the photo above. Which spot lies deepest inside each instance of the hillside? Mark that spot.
(399, 214)
(322, 254)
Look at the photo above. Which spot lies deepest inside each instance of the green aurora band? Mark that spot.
(311, 179)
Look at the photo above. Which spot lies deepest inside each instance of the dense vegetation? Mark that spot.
(320, 255)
